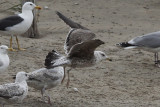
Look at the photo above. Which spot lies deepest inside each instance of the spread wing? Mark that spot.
(69, 22)
(85, 49)
(77, 36)
(51, 58)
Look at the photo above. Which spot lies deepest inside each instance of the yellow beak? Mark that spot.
(38, 7)
(9, 49)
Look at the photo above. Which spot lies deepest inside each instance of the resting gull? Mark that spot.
(45, 78)
(18, 24)
(14, 92)
(4, 59)
(149, 42)
(79, 56)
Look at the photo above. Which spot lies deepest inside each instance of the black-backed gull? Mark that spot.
(18, 24)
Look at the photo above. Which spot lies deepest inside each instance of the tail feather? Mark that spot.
(69, 22)
(125, 44)
(50, 58)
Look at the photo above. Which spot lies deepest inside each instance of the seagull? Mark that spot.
(80, 55)
(78, 33)
(14, 92)
(18, 24)
(4, 59)
(149, 42)
(45, 78)
(79, 48)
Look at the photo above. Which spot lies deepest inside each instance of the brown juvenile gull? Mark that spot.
(14, 92)
(77, 34)
(45, 78)
(79, 56)
(18, 24)
(81, 37)
(149, 42)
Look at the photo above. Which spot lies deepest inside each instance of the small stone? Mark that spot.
(76, 3)
(46, 7)
(75, 89)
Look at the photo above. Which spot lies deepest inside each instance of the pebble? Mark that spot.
(75, 89)
(46, 7)
(76, 3)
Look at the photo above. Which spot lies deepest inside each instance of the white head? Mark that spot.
(101, 56)
(21, 76)
(29, 6)
(3, 49)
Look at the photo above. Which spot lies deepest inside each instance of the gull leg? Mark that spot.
(49, 98)
(10, 47)
(43, 97)
(19, 45)
(64, 75)
(68, 78)
(42, 93)
(156, 60)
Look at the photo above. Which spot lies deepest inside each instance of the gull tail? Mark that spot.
(51, 58)
(69, 22)
(126, 45)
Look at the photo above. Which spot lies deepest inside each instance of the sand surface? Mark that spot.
(130, 80)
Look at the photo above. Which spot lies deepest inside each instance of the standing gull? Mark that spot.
(79, 46)
(149, 42)
(18, 24)
(79, 56)
(45, 78)
(4, 59)
(14, 92)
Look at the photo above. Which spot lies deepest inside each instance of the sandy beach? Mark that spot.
(130, 80)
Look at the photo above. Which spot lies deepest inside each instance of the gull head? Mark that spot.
(21, 76)
(101, 56)
(3, 49)
(30, 6)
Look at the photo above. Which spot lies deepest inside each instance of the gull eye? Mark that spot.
(26, 75)
(31, 4)
(102, 54)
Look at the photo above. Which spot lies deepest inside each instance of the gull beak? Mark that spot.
(109, 59)
(9, 49)
(38, 7)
